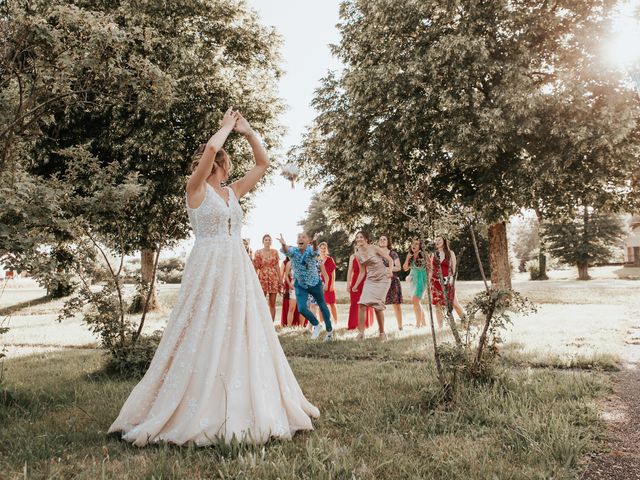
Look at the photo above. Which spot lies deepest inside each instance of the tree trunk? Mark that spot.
(146, 273)
(583, 271)
(499, 256)
(542, 257)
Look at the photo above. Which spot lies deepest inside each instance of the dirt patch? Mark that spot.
(620, 455)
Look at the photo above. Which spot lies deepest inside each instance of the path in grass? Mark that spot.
(620, 455)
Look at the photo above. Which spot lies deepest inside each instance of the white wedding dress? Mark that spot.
(219, 371)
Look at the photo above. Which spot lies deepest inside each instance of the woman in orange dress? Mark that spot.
(266, 261)
(353, 275)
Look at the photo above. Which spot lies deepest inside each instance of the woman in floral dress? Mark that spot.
(266, 261)
(394, 295)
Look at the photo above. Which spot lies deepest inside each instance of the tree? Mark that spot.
(165, 105)
(448, 96)
(102, 175)
(584, 238)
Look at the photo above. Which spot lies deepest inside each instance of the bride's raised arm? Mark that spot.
(215, 143)
(245, 184)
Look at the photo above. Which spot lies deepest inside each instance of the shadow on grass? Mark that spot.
(11, 309)
(413, 348)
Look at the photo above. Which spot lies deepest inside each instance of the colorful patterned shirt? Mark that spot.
(304, 265)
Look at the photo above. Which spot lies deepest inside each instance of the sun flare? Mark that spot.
(623, 47)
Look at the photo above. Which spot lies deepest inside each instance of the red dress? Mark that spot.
(285, 304)
(355, 298)
(437, 296)
(330, 292)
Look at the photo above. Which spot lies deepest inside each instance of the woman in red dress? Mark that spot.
(266, 261)
(448, 267)
(329, 279)
(353, 276)
(290, 316)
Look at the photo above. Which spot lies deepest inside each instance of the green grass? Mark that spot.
(380, 420)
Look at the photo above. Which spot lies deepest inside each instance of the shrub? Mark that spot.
(133, 359)
(534, 270)
(170, 270)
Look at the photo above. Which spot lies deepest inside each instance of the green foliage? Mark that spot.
(454, 102)
(534, 270)
(584, 237)
(35, 232)
(492, 309)
(467, 262)
(170, 270)
(134, 358)
(120, 86)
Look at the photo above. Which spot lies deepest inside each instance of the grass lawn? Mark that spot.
(380, 420)
(379, 401)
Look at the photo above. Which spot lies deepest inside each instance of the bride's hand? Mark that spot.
(242, 125)
(229, 119)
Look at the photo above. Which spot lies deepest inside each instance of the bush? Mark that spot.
(133, 359)
(534, 270)
(104, 312)
(170, 270)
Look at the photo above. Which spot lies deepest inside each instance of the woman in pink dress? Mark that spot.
(377, 283)
(354, 284)
(267, 264)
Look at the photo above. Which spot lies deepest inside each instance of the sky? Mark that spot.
(623, 46)
(307, 28)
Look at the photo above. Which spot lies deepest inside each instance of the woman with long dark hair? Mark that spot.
(447, 260)
(416, 262)
(394, 295)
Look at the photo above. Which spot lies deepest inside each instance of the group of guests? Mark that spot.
(277, 278)
(306, 280)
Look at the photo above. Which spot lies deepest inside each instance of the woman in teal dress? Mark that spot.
(416, 262)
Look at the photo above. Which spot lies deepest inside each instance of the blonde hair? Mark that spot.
(221, 157)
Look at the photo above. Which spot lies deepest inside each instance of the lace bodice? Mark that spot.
(214, 218)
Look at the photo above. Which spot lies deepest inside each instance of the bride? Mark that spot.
(219, 371)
